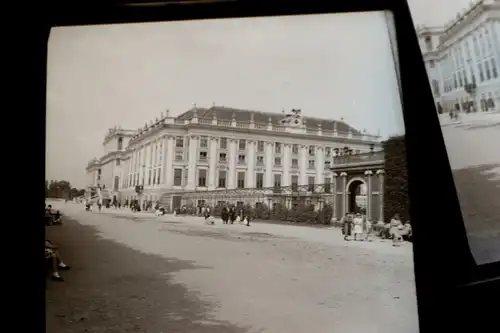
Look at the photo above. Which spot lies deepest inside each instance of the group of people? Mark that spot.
(361, 228)
(52, 257)
(232, 214)
(356, 225)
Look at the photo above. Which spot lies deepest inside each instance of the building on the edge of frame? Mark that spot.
(465, 53)
(209, 150)
(105, 172)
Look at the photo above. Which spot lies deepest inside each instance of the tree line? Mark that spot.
(61, 189)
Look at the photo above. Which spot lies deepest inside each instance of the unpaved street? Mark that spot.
(178, 275)
(475, 159)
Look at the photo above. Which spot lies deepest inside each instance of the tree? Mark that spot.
(61, 189)
(396, 199)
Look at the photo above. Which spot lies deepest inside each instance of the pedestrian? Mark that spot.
(358, 226)
(394, 230)
(368, 227)
(346, 226)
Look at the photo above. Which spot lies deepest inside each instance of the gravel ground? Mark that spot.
(475, 160)
(264, 278)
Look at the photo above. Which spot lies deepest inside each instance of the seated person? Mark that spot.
(49, 218)
(52, 255)
(57, 218)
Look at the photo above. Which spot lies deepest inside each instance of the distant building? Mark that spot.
(217, 148)
(462, 59)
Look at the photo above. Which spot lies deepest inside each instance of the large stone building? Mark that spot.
(206, 151)
(463, 59)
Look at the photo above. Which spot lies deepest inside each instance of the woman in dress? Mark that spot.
(358, 226)
(346, 226)
(394, 231)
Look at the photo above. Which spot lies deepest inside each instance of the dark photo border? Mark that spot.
(443, 264)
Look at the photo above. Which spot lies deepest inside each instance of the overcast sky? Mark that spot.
(330, 66)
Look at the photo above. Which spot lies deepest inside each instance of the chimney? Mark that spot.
(167, 114)
(252, 120)
(335, 133)
(270, 124)
(320, 129)
(194, 119)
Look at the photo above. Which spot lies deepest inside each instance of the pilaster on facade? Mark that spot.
(343, 177)
(320, 164)
(368, 175)
(192, 162)
(231, 170)
(269, 160)
(212, 163)
(250, 174)
(303, 153)
(168, 161)
(381, 177)
(287, 150)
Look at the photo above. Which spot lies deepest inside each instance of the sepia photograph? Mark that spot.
(462, 57)
(231, 175)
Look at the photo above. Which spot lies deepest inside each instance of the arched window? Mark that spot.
(120, 143)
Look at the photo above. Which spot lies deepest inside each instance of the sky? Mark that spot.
(330, 66)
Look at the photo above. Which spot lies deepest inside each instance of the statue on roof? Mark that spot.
(293, 119)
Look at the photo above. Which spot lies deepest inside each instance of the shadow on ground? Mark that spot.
(113, 288)
(479, 192)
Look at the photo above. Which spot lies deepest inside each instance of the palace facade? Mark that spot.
(462, 59)
(221, 149)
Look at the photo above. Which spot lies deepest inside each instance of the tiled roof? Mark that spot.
(226, 113)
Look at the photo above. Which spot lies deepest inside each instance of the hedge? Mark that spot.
(396, 199)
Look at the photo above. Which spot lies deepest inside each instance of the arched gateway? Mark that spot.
(359, 185)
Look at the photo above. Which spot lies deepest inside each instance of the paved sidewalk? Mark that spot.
(471, 118)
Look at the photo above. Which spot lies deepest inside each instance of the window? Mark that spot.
(295, 183)
(311, 150)
(277, 180)
(260, 146)
(242, 144)
(328, 151)
(435, 87)
(460, 82)
(177, 177)
(487, 70)
(203, 156)
(154, 176)
(260, 160)
(310, 184)
(277, 183)
(241, 179)
(179, 156)
(241, 159)
(431, 64)
(223, 143)
(494, 71)
(295, 149)
(202, 177)
(311, 164)
(117, 182)
(118, 162)
(149, 177)
(428, 43)
(158, 176)
(455, 82)
(277, 148)
(277, 161)
(465, 77)
(204, 142)
(120, 143)
(179, 142)
(481, 74)
(328, 182)
(222, 178)
(222, 157)
(295, 163)
(259, 180)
